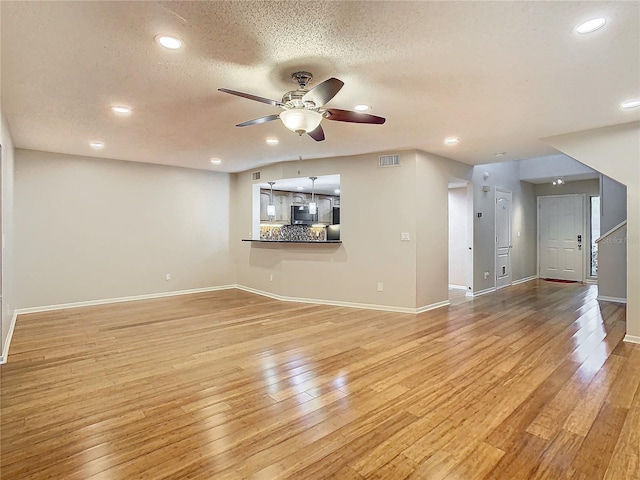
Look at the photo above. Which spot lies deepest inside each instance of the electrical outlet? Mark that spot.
(167, 276)
(380, 287)
(271, 278)
(405, 237)
(486, 275)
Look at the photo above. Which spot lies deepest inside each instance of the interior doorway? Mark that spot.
(460, 238)
(561, 237)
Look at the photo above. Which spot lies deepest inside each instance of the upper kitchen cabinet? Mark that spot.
(325, 209)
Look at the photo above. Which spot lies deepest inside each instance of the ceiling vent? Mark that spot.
(389, 161)
(255, 176)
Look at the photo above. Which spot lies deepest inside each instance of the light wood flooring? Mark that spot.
(532, 382)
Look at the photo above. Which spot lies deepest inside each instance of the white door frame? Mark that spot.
(495, 235)
(585, 216)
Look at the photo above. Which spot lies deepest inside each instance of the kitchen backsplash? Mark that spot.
(288, 233)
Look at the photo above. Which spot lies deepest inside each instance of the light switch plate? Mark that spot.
(405, 237)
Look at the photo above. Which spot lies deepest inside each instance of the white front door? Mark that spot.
(561, 237)
(503, 238)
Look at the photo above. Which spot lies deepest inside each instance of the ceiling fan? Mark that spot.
(303, 109)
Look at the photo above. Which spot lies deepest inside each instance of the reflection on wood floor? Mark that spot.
(531, 382)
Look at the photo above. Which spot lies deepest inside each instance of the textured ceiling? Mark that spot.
(498, 75)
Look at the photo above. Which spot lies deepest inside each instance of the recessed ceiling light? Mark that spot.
(97, 145)
(172, 43)
(337, 191)
(216, 161)
(272, 141)
(451, 140)
(361, 108)
(500, 154)
(591, 25)
(630, 104)
(300, 188)
(121, 109)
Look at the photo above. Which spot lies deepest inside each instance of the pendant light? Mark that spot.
(313, 207)
(271, 208)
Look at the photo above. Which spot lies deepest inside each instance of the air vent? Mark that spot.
(255, 176)
(389, 161)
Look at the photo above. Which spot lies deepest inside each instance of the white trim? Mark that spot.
(524, 280)
(433, 306)
(7, 342)
(90, 303)
(631, 339)
(591, 281)
(457, 287)
(335, 303)
(481, 292)
(604, 298)
(613, 230)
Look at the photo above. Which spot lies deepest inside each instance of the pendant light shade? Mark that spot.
(271, 208)
(301, 120)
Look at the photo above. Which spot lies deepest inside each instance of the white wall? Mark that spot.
(91, 229)
(8, 288)
(615, 152)
(458, 236)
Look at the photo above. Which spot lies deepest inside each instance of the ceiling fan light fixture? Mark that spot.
(361, 108)
(301, 120)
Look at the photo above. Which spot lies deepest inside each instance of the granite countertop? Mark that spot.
(291, 241)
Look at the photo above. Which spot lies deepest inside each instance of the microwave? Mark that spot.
(300, 216)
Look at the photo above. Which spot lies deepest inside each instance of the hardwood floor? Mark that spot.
(532, 382)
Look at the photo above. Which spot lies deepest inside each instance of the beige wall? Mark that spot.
(8, 288)
(432, 185)
(615, 151)
(612, 266)
(377, 206)
(588, 187)
(92, 229)
(458, 241)
(506, 176)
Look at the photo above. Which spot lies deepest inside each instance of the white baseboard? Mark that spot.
(7, 341)
(91, 303)
(604, 298)
(631, 339)
(335, 303)
(524, 280)
(433, 306)
(481, 292)
(457, 287)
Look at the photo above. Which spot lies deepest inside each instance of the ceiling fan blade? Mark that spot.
(317, 133)
(354, 117)
(256, 121)
(275, 103)
(323, 92)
